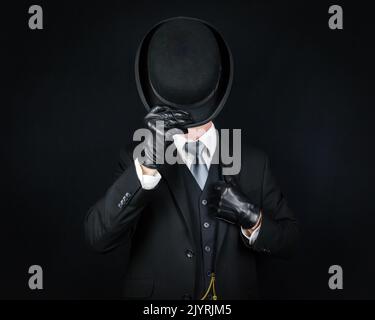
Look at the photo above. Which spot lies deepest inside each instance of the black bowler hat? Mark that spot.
(184, 63)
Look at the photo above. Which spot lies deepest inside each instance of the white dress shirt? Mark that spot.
(209, 139)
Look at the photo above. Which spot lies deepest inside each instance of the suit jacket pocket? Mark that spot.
(138, 288)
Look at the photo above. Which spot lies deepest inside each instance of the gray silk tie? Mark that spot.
(198, 168)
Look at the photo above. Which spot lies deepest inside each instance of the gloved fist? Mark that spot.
(229, 203)
(161, 120)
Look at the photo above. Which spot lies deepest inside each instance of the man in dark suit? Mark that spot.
(194, 231)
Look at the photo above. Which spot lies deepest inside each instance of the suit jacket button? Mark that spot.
(186, 296)
(127, 195)
(189, 253)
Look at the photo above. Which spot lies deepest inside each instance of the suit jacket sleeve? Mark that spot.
(113, 219)
(278, 234)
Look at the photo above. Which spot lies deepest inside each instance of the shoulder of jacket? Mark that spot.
(250, 153)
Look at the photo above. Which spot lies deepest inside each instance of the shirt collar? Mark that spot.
(209, 139)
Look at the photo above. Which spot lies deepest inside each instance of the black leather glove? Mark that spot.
(229, 203)
(156, 143)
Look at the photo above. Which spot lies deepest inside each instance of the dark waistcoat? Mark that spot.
(203, 225)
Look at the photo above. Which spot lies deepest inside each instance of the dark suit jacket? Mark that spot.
(163, 259)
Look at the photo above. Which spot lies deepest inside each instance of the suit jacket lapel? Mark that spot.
(173, 177)
(221, 226)
(221, 229)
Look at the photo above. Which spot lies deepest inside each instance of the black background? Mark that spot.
(302, 92)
